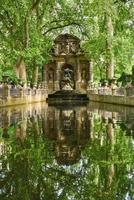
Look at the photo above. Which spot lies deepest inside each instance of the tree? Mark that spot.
(106, 28)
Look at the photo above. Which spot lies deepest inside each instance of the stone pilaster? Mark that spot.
(78, 74)
(90, 73)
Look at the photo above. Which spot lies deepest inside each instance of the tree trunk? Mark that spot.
(17, 66)
(20, 69)
(26, 24)
(109, 51)
(35, 75)
(26, 32)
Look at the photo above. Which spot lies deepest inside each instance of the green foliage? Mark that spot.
(122, 41)
(30, 31)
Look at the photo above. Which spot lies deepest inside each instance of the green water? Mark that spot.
(67, 153)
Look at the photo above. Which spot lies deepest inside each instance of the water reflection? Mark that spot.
(70, 129)
(67, 153)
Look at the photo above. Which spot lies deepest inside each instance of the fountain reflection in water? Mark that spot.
(70, 129)
(67, 152)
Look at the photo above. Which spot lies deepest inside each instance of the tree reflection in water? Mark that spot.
(66, 153)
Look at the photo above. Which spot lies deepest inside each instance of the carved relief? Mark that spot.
(66, 46)
(74, 47)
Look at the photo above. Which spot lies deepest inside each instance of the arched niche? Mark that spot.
(67, 76)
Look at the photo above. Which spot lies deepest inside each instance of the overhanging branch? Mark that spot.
(61, 26)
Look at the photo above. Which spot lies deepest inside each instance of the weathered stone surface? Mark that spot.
(67, 96)
(23, 99)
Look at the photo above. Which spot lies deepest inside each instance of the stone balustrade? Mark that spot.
(118, 95)
(118, 91)
(20, 95)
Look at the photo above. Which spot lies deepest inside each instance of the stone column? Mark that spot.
(78, 75)
(57, 78)
(90, 73)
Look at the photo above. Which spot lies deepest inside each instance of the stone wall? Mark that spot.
(19, 96)
(120, 100)
(115, 95)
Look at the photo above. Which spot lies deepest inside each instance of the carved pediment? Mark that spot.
(65, 37)
(66, 44)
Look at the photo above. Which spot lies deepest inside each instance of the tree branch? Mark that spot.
(34, 6)
(61, 26)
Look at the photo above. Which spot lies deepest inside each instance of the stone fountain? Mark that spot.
(67, 94)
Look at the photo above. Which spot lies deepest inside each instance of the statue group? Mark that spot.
(67, 82)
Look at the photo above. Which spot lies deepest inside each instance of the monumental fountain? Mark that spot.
(67, 76)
